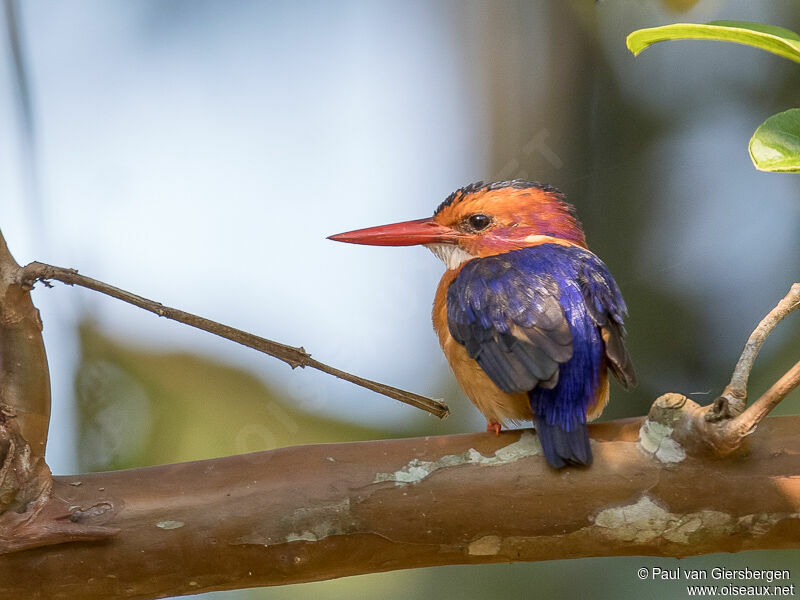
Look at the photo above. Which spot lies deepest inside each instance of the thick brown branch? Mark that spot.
(30, 515)
(294, 357)
(24, 376)
(325, 511)
(734, 397)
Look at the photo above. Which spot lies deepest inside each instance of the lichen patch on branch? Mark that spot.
(417, 470)
(656, 439)
(304, 536)
(488, 545)
(315, 523)
(307, 524)
(646, 521)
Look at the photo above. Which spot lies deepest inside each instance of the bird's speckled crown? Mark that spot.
(518, 184)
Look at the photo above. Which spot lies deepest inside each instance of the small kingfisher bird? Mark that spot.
(529, 319)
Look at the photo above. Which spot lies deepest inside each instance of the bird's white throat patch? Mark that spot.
(451, 255)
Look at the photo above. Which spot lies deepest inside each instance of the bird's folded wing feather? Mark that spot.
(607, 309)
(510, 321)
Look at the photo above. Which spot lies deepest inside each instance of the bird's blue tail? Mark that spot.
(562, 447)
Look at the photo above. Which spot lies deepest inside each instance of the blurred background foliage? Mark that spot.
(140, 407)
(198, 153)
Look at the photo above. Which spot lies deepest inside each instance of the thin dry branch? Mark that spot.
(294, 357)
(734, 397)
(759, 409)
(722, 427)
(325, 511)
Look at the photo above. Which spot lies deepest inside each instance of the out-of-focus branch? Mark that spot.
(294, 357)
(26, 121)
(324, 511)
(734, 397)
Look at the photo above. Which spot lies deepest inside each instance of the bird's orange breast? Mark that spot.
(495, 404)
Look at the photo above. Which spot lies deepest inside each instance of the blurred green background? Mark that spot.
(199, 152)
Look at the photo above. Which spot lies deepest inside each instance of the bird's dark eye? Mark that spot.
(479, 221)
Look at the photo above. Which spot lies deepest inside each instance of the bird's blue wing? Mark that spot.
(508, 316)
(605, 306)
(513, 311)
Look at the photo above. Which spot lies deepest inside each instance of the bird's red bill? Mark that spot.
(407, 233)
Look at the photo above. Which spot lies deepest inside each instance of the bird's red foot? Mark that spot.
(493, 426)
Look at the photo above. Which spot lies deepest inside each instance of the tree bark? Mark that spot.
(24, 376)
(30, 515)
(324, 511)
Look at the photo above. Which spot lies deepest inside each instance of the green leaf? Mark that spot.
(777, 40)
(775, 146)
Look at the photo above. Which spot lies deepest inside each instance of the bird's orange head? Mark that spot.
(482, 220)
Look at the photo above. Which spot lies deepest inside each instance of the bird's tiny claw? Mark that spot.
(493, 426)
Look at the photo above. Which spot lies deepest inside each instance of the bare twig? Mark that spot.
(734, 397)
(294, 357)
(759, 409)
(721, 428)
